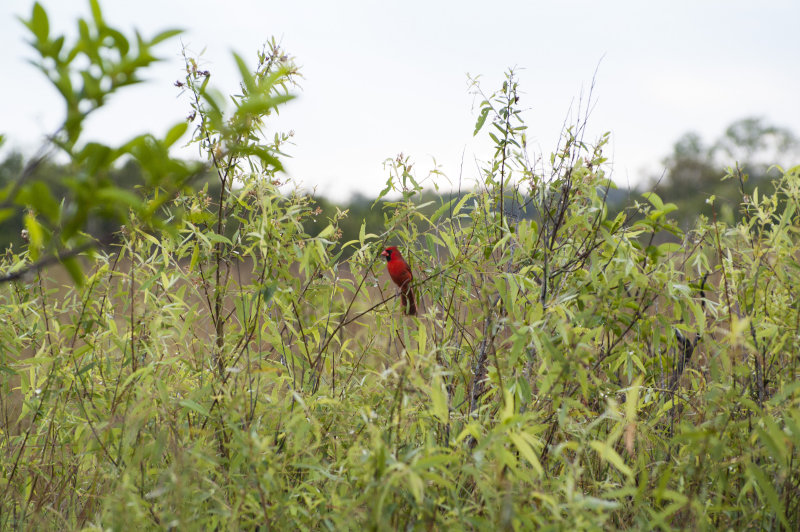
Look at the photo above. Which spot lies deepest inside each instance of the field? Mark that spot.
(578, 380)
(212, 365)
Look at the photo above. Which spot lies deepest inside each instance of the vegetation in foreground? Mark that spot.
(224, 368)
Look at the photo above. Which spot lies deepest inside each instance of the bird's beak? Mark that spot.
(384, 253)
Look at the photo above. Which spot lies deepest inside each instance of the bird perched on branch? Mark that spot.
(402, 277)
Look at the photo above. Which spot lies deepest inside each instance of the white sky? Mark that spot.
(389, 77)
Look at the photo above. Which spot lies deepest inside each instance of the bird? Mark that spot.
(400, 273)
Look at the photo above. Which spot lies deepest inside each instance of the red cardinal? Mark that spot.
(401, 275)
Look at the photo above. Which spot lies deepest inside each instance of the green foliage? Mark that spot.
(86, 72)
(695, 171)
(565, 370)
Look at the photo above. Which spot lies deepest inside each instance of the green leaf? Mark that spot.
(653, 198)
(481, 120)
(768, 492)
(439, 400)
(508, 409)
(214, 237)
(461, 203)
(268, 160)
(325, 233)
(97, 14)
(83, 31)
(632, 399)
(611, 456)
(441, 210)
(195, 257)
(195, 406)
(39, 24)
(175, 133)
(773, 439)
(244, 71)
(35, 235)
(73, 267)
(260, 105)
(120, 41)
(416, 486)
(268, 290)
(386, 190)
(669, 247)
(37, 196)
(526, 451)
(164, 35)
(116, 197)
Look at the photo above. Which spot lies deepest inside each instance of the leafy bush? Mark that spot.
(233, 372)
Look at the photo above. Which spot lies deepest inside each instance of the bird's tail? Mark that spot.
(408, 300)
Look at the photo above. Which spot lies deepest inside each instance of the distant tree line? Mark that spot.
(693, 178)
(697, 180)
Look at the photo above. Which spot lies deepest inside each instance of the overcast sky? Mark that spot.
(389, 77)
